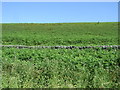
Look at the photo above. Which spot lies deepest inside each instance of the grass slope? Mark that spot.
(60, 68)
(77, 34)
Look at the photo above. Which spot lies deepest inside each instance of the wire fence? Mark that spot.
(60, 47)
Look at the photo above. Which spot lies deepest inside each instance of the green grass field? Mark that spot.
(61, 34)
(60, 68)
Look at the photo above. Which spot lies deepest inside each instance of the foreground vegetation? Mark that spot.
(60, 68)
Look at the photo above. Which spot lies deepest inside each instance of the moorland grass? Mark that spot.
(60, 68)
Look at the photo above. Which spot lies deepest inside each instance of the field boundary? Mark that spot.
(60, 47)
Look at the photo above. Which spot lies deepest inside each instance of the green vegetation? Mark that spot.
(61, 34)
(60, 68)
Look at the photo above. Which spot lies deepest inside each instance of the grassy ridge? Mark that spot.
(60, 68)
(77, 34)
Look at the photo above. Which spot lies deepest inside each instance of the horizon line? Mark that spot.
(52, 22)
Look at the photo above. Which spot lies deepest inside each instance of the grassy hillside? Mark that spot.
(77, 34)
(60, 68)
